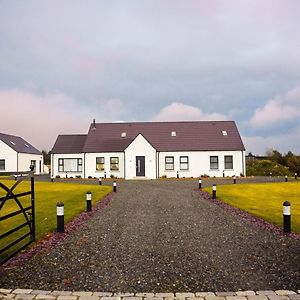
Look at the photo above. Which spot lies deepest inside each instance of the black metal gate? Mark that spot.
(23, 233)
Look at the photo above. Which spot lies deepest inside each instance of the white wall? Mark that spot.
(10, 157)
(90, 163)
(54, 165)
(25, 159)
(199, 163)
(140, 147)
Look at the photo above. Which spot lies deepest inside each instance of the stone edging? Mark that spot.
(28, 294)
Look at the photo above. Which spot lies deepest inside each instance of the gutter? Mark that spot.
(124, 165)
(243, 162)
(84, 165)
(157, 163)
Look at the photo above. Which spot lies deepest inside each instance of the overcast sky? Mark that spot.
(64, 63)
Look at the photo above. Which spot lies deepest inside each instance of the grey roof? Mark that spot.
(18, 144)
(72, 144)
(190, 136)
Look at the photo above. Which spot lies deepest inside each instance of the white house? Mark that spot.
(16, 155)
(151, 150)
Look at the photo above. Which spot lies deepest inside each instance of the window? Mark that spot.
(184, 162)
(214, 162)
(2, 164)
(169, 162)
(114, 163)
(99, 163)
(69, 164)
(228, 159)
(224, 132)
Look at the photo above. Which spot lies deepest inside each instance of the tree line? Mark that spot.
(274, 163)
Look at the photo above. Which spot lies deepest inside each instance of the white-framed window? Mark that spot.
(228, 162)
(169, 163)
(100, 163)
(2, 164)
(184, 162)
(69, 164)
(214, 162)
(114, 163)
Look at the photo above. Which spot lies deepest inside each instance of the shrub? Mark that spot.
(265, 168)
(163, 176)
(57, 176)
(204, 176)
(90, 177)
(78, 176)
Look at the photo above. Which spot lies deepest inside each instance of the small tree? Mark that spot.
(46, 156)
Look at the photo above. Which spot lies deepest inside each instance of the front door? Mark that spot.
(140, 165)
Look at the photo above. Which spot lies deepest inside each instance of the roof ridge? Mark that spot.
(148, 122)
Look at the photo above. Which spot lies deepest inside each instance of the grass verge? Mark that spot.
(264, 200)
(47, 195)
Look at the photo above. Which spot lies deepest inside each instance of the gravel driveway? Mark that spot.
(160, 236)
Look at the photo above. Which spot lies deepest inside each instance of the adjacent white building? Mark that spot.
(151, 150)
(16, 155)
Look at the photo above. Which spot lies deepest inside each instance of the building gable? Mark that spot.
(139, 141)
(18, 144)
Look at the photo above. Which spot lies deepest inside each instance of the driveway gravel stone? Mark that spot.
(161, 237)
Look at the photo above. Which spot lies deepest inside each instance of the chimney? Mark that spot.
(94, 125)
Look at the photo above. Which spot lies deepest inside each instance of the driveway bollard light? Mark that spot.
(286, 217)
(115, 186)
(100, 181)
(60, 217)
(200, 184)
(177, 174)
(104, 174)
(88, 201)
(286, 178)
(214, 191)
(52, 178)
(296, 176)
(234, 179)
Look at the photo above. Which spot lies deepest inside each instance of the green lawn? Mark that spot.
(47, 194)
(264, 200)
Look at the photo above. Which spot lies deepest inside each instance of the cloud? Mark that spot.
(39, 119)
(282, 142)
(283, 108)
(182, 112)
